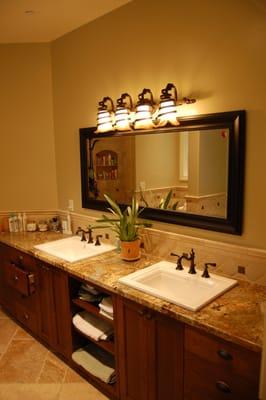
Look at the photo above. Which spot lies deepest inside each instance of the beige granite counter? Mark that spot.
(235, 316)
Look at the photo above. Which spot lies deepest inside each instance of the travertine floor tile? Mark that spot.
(22, 362)
(7, 330)
(53, 370)
(3, 314)
(72, 377)
(21, 334)
(14, 391)
(80, 391)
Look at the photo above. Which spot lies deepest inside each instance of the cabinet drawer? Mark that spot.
(27, 317)
(218, 369)
(22, 281)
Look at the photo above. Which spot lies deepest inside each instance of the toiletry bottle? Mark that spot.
(24, 222)
(69, 223)
(15, 222)
(20, 222)
(10, 223)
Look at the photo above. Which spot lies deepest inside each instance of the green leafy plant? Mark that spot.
(124, 223)
(164, 203)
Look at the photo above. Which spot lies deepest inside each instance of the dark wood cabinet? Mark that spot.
(216, 369)
(155, 356)
(150, 354)
(55, 318)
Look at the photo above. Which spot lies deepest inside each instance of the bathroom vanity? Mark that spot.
(160, 350)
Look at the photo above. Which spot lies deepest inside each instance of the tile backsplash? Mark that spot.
(161, 243)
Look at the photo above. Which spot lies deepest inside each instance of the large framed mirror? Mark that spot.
(190, 175)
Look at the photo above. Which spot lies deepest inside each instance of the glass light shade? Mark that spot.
(122, 119)
(167, 113)
(104, 121)
(143, 117)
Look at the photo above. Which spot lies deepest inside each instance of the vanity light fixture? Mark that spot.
(144, 111)
(123, 113)
(105, 116)
(167, 112)
(146, 116)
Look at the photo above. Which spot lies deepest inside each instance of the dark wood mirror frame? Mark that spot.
(234, 121)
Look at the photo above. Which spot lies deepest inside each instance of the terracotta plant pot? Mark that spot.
(130, 251)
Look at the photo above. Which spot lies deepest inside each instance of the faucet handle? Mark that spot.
(179, 265)
(98, 243)
(205, 273)
(83, 236)
(90, 239)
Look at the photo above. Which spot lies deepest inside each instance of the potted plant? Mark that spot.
(126, 225)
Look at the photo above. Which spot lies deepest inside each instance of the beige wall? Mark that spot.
(210, 49)
(157, 161)
(27, 160)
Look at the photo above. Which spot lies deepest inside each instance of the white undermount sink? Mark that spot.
(73, 249)
(179, 287)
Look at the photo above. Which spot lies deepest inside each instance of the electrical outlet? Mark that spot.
(71, 205)
(241, 270)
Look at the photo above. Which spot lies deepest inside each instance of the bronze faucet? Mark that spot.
(83, 236)
(191, 258)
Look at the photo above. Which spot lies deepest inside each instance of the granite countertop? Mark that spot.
(235, 316)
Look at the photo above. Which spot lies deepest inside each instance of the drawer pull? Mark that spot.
(26, 316)
(141, 312)
(15, 278)
(21, 258)
(223, 387)
(224, 354)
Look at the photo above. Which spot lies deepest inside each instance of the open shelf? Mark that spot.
(107, 345)
(91, 308)
(109, 389)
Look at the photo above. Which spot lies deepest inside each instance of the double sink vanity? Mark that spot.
(176, 335)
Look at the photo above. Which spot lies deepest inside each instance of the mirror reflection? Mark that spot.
(180, 171)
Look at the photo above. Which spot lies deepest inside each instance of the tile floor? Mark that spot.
(29, 371)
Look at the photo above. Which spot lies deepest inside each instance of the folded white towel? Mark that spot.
(107, 305)
(92, 326)
(90, 289)
(106, 314)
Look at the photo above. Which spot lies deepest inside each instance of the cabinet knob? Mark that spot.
(223, 387)
(225, 355)
(15, 278)
(141, 312)
(26, 316)
(21, 258)
(149, 316)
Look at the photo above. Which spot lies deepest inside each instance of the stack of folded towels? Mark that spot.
(106, 307)
(92, 326)
(89, 293)
(96, 361)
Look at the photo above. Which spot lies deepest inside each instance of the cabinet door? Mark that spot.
(47, 320)
(55, 313)
(62, 307)
(150, 354)
(168, 359)
(134, 346)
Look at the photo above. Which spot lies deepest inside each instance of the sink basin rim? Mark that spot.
(135, 280)
(72, 249)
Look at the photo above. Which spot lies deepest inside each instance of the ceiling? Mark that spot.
(23, 21)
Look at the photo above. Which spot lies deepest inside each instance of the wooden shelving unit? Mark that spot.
(106, 165)
(91, 308)
(80, 339)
